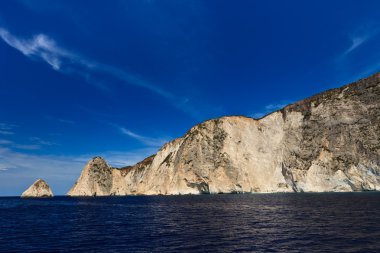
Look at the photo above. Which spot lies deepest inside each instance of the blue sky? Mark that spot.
(120, 78)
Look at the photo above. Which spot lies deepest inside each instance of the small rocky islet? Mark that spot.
(39, 189)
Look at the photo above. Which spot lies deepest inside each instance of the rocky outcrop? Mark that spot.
(328, 142)
(39, 189)
(95, 180)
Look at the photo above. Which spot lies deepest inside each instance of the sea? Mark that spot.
(292, 222)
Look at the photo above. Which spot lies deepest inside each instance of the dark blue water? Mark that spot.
(348, 222)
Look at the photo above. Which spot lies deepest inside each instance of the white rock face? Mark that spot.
(39, 189)
(329, 142)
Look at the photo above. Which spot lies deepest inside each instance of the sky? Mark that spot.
(118, 79)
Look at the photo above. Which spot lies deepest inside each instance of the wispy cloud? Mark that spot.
(149, 141)
(6, 132)
(66, 121)
(270, 108)
(5, 142)
(61, 120)
(356, 41)
(6, 129)
(36, 143)
(39, 47)
(361, 36)
(42, 142)
(43, 48)
(26, 146)
(13, 145)
(346, 65)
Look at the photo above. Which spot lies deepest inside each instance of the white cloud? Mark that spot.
(66, 121)
(61, 120)
(151, 142)
(6, 132)
(42, 142)
(11, 144)
(270, 108)
(6, 129)
(360, 36)
(26, 146)
(5, 142)
(351, 70)
(5, 126)
(357, 41)
(35, 145)
(41, 47)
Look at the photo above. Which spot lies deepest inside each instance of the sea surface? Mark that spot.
(306, 222)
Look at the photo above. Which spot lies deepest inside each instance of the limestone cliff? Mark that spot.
(328, 142)
(39, 189)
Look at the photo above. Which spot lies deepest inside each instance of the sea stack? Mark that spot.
(95, 180)
(329, 142)
(39, 189)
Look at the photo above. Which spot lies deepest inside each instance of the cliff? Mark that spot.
(39, 189)
(328, 142)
